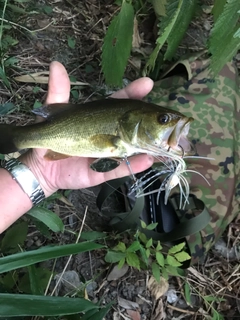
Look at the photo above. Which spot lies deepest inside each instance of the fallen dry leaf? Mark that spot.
(158, 311)
(135, 315)
(116, 316)
(127, 304)
(136, 40)
(117, 273)
(42, 77)
(157, 289)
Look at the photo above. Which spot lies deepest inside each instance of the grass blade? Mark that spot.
(30, 305)
(24, 259)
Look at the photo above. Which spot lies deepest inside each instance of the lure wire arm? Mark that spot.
(130, 169)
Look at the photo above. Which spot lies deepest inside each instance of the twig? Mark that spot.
(181, 310)
(69, 259)
(24, 28)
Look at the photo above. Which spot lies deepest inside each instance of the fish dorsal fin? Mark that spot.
(53, 155)
(47, 111)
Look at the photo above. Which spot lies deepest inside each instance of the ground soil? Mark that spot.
(86, 23)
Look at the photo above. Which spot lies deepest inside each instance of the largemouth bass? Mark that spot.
(101, 129)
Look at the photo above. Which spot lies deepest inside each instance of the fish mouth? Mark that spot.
(178, 141)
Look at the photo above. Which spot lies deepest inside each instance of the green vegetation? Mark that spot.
(146, 254)
(174, 17)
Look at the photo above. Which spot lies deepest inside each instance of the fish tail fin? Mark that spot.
(7, 144)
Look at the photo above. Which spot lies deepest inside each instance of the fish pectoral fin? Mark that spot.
(105, 164)
(108, 143)
(53, 155)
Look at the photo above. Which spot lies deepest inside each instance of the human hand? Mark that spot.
(75, 172)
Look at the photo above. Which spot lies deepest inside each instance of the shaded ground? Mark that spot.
(73, 34)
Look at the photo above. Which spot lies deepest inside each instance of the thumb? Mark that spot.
(58, 84)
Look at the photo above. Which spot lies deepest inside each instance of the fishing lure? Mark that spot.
(174, 168)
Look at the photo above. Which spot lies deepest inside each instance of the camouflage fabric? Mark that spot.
(215, 106)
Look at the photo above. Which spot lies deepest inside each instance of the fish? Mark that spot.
(106, 128)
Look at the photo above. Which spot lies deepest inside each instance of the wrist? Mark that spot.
(38, 170)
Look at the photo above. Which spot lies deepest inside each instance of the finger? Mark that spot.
(138, 89)
(58, 84)
(138, 163)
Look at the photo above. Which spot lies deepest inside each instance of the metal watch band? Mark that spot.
(26, 179)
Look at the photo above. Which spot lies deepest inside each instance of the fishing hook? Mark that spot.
(183, 152)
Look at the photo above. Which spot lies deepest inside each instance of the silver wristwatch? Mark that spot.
(26, 179)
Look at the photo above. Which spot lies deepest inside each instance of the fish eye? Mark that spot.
(163, 118)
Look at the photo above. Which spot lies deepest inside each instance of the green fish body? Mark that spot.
(100, 129)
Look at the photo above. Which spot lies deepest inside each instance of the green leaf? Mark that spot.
(93, 235)
(143, 224)
(75, 94)
(42, 276)
(156, 271)
(113, 256)
(9, 62)
(37, 104)
(159, 247)
(49, 218)
(227, 52)
(224, 25)
(144, 254)
(185, 12)
(187, 293)
(165, 273)
(96, 314)
(71, 42)
(121, 263)
(172, 261)
(135, 246)
(117, 45)
(4, 78)
(9, 280)
(36, 89)
(148, 253)
(175, 271)
(89, 68)
(237, 33)
(30, 305)
(34, 281)
(143, 237)
(149, 243)
(218, 8)
(216, 315)
(177, 248)
(24, 259)
(223, 31)
(159, 7)
(133, 260)
(42, 228)
(47, 9)
(172, 28)
(169, 23)
(120, 247)
(160, 259)
(182, 256)
(152, 226)
(14, 237)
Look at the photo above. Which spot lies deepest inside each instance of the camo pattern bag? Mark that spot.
(215, 106)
